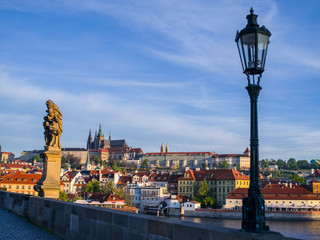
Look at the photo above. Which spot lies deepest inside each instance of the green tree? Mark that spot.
(116, 166)
(36, 158)
(109, 188)
(75, 198)
(298, 179)
(225, 164)
(203, 189)
(315, 165)
(292, 164)
(281, 164)
(63, 196)
(93, 186)
(264, 163)
(202, 195)
(145, 164)
(178, 165)
(72, 160)
(303, 164)
(104, 164)
(208, 201)
(95, 159)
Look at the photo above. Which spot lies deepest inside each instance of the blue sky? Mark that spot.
(154, 71)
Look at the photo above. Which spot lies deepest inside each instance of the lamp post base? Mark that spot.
(253, 217)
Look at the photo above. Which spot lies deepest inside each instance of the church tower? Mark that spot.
(89, 140)
(167, 148)
(247, 152)
(162, 148)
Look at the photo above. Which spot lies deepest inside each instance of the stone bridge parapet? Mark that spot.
(73, 221)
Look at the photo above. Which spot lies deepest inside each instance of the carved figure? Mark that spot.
(52, 126)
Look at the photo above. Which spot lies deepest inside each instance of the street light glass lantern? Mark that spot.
(252, 42)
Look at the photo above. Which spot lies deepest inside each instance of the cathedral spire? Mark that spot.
(167, 148)
(110, 135)
(89, 140)
(100, 131)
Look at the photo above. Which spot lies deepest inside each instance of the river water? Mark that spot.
(297, 229)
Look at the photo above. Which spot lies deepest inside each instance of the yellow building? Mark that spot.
(20, 182)
(221, 182)
(186, 184)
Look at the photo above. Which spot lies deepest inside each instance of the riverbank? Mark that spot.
(270, 215)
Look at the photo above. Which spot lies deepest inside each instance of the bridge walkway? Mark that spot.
(13, 227)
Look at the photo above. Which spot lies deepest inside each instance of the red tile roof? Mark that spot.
(179, 153)
(136, 150)
(124, 180)
(141, 174)
(277, 191)
(102, 197)
(159, 177)
(314, 181)
(216, 174)
(19, 177)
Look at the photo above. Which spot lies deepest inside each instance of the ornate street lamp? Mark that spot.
(252, 44)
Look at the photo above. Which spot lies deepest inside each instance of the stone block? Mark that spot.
(163, 228)
(59, 219)
(120, 219)
(91, 213)
(74, 222)
(138, 223)
(191, 231)
(135, 235)
(79, 210)
(116, 232)
(67, 214)
(104, 215)
(47, 213)
(102, 230)
(86, 226)
(57, 205)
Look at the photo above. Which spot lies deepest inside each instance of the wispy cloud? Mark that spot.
(162, 71)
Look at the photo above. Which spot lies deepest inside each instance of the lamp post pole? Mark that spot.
(252, 44)
(253, 210)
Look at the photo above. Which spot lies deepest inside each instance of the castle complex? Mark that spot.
(100, 143)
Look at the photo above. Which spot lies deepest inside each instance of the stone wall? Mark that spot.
(73, 221)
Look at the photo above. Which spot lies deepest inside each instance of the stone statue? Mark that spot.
(49, 184)
(52, 126)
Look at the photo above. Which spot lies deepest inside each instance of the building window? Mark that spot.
(17, 186)
(22, 187)
(9, 186)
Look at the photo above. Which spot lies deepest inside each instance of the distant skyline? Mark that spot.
(159, 71)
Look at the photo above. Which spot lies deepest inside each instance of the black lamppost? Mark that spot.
(252, 44)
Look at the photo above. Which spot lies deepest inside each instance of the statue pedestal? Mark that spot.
(49, 185)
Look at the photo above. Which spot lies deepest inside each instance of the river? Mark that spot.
(298, 229)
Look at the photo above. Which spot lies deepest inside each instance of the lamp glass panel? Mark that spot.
(242, 59)
(248, 43)
(263, 41)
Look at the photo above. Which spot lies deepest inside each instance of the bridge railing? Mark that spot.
(73, 221)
